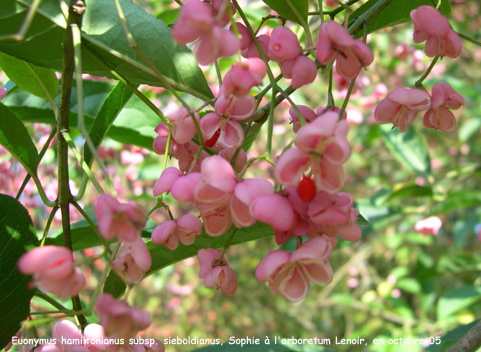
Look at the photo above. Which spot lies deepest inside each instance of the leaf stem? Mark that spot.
(469, 39)
(103, 277)
(40, 157)
(47, 225)
(52, 301)
(76, 35)
(82, 162)
(419, 82)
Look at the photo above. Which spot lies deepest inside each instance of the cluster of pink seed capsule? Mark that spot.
(309, 176)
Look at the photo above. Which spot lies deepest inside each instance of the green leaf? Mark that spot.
(451, 338)
(104, 44)
(290, 11)
(17, 236)
(410, 191)
(394, 13)
(39, 81)
(455, 300)
(15, 138)
(169, 16)
(458, 199)
(83, 237)
(457, 263)
(362, 220)
(106, 116)
(469, 128)
(134, 124)
(409, 285)
(409, 148)
(114, 285)
(163, 257)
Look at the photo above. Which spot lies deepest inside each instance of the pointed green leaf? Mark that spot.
(134, 124)
(104, 44)
(163, 257)
(410, 191)
(457, 299)
(450, 338)
(410, 148)
(15, 138)
(17, 236)
(106, 116)
(396, 12)
(39, 81)
(290, 11)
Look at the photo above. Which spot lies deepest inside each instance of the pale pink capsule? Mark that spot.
(171, 232)
(336, 42)
(115, 219)
(195, 21)
(118, 319)
(183, 127)
(401, 106)
(244, 194)
(246, 38)
(47, 262)
(274, 210)
(65, 330)
(95, 334)
(252, 52)
(284, 45)
(217, 180)
(216, 272)
(166, 180)
(133, 261)
(242, 77)
(431, 26)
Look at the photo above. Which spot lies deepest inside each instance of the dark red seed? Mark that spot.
(306, 189)
(213, 140)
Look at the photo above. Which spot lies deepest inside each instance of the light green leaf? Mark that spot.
(410, 191)
(104, 44)
(410, 148)
(15, 138)
(17, 236)
(455, 300)
(39, 81)
(409, 285)
(469, 128)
